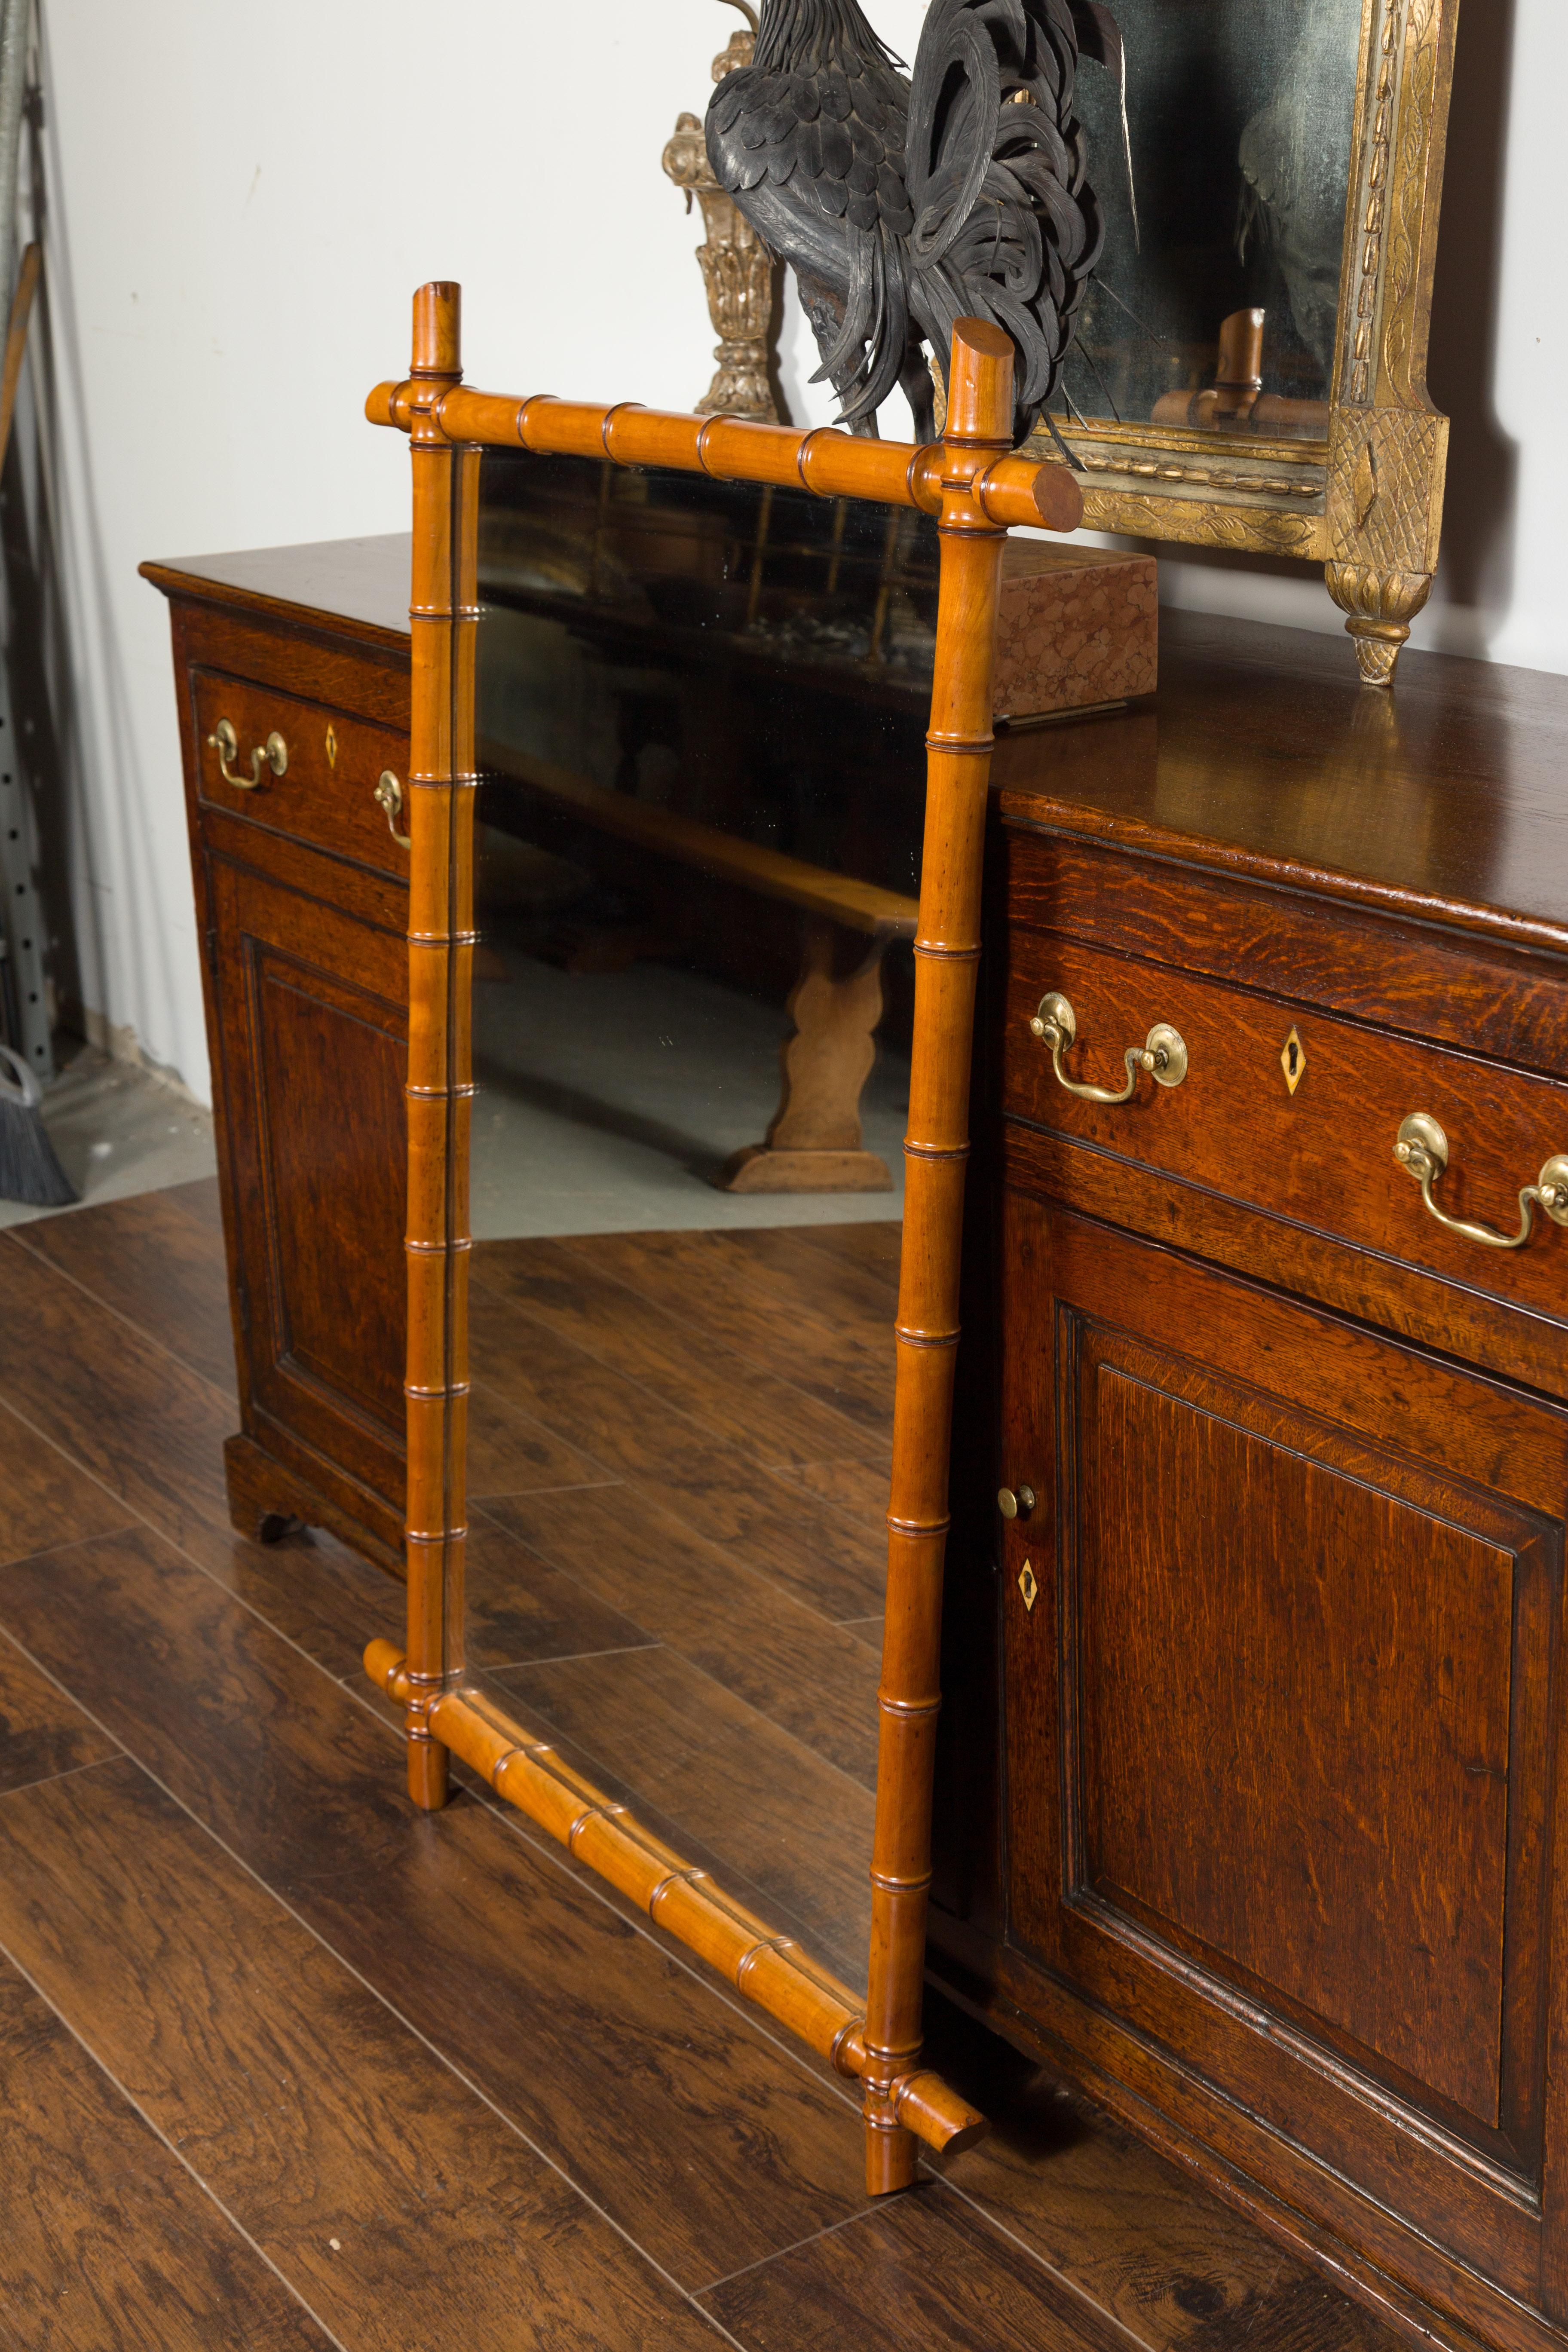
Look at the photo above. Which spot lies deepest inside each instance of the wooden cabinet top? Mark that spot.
(1446, 800)
(356, 587)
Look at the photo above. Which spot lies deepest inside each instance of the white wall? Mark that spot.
(241, 199)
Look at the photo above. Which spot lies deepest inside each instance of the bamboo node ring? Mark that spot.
(905, 1710)
(672, 1878)
(702, 446)
(764, 1943)
(520, 422)
(890, 1886)
(607, 424)
(606, 1812)
(803, 459)
(840, 2058)
(920, 460)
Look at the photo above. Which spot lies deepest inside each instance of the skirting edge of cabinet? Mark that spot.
(261, 1489)
(1427, 2294)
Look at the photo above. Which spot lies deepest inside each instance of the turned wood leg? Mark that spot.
(1379, 607)
(815, 1143)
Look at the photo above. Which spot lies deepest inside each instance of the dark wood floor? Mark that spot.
(283, 2066)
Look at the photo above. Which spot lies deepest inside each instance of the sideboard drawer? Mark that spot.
(1322, 1155)
(326, 793)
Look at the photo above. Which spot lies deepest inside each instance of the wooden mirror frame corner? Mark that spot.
(976, 487)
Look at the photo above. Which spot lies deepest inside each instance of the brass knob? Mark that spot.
(1015, 1502)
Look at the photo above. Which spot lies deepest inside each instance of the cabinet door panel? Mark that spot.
(331, 1165)
(313, 1023)
(1280, 1751)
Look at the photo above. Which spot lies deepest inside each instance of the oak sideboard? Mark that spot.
(1249, 1813)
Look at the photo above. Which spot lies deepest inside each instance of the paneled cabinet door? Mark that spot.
(311, 1010)
(1282, 1636)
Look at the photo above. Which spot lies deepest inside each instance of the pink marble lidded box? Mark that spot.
(1076, 626)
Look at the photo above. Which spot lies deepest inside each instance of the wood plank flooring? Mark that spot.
(284, 2066)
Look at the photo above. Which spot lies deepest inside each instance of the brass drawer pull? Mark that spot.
(388, 794)
(1163, 1053)
(273, 754)
(1422, 1148)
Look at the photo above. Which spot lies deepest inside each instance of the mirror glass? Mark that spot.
(1239, 121)
(701, 714)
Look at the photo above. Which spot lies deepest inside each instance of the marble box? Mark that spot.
(1076, 626)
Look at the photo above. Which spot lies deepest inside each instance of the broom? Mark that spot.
(28, 1169)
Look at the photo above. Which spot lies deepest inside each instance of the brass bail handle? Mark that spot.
(1422, 1148)
(1163, 1053)
(273, 754)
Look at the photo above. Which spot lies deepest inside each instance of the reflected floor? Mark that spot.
(607, 1101)
(679, 1430)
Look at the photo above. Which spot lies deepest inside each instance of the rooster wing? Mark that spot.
(812, 157)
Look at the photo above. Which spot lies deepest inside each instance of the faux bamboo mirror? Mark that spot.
(666, 773)
(1250, 368)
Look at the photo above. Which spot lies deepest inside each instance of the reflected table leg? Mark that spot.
(815, 1143)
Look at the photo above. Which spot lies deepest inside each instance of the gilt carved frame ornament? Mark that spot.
(977, 486)
(739, 274)
(1366, 499)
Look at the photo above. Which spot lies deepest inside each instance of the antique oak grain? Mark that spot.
(1251, 1800)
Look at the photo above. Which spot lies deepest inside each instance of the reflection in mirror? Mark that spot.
(701, 712)
(1217, 297)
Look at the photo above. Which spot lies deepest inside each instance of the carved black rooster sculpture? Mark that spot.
(904, 206)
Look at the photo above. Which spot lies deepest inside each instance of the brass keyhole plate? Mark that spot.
(1027, 1586)
(1294, 1061)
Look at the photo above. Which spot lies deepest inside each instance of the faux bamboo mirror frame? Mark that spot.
(976, 487)
(1260, 113)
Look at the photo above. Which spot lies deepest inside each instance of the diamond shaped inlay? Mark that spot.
(1027, 1586)
(1294, 1061)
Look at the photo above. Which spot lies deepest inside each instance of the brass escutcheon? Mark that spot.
(1293, 1060)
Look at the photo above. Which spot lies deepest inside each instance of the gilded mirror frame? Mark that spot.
(1366, 501)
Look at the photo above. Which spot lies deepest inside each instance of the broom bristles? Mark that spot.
(30, 1170)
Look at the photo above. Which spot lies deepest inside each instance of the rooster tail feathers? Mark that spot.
(865, 360)
(1005, 224)
(945, 164)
